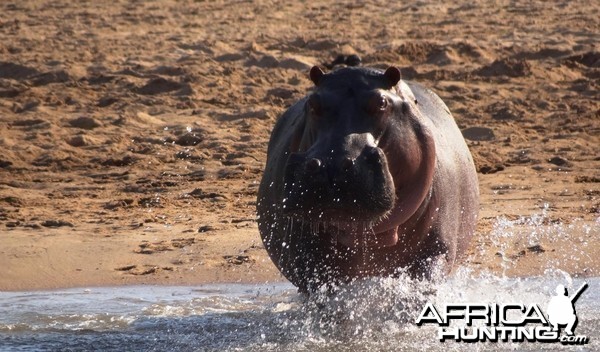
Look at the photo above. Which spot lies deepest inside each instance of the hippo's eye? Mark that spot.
(314, 105)
(378, 104)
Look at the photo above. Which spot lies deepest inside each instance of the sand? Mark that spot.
(133, 133)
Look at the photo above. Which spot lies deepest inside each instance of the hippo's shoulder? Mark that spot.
(430, 104)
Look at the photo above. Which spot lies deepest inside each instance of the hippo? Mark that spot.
(366, 176)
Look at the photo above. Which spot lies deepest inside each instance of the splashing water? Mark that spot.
(370, 315)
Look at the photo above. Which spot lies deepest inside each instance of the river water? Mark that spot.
(372, 315)
(378, 315)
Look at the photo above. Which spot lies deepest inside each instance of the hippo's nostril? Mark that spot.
(313, 165)
(347, 164)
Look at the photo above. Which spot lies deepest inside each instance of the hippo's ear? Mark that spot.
(315, 75)
(393, 75)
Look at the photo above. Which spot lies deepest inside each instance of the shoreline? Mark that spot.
(515, 257)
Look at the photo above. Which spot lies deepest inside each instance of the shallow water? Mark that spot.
(376, 315)
(372, 315)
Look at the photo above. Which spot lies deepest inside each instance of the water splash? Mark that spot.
(370, 314)
(513, 239)
(375, 314)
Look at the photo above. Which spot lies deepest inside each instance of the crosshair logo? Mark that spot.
(512, 322)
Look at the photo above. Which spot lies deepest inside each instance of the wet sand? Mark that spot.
(133, 134)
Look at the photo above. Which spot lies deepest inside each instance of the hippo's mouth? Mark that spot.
(351, 233)
(362, 234)
(319, 213)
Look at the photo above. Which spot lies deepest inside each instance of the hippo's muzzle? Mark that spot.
(333, 186)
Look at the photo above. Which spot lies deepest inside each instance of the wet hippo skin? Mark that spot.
(366, 176)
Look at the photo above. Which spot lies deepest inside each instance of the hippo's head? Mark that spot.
(338, 172)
